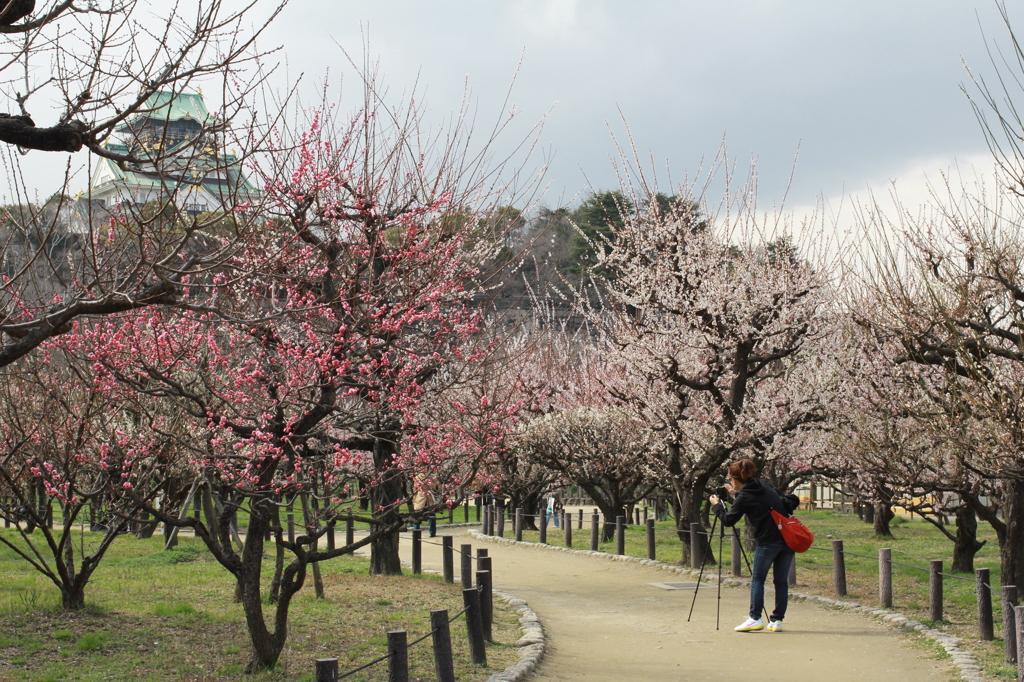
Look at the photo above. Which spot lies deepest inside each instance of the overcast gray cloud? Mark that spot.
(868, 89)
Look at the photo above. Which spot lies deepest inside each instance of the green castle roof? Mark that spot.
(164, 105)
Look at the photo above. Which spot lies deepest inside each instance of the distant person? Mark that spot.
(554, 506)
(421, 500)
(755, 499)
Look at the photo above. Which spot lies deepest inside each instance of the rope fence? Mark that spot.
(478, 602)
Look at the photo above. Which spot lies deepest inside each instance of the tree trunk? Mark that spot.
(693, 500)
(966, 544)
(266, 645)
(72, 597)
(1011, 549)
(868, 513)
(883, 515)
(384, 557)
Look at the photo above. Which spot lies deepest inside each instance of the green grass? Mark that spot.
(156, 615)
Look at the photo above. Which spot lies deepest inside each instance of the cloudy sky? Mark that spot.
(867, 90)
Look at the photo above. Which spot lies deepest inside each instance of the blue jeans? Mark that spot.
(780, 557)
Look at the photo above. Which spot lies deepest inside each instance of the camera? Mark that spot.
(721, 491)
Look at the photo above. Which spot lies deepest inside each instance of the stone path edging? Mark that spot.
(970, 670)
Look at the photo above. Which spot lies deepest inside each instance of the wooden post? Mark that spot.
(441, 638)
(519, 524)
(417, 551)
(792, 571)
(465, 514)
(986, 628)
(737, 556)
(839, 567)
(636, 516)
(645, 513)
(447, 559)
(466, 570)
(398, 656)
(481, 553)
(620, 535)
(326, 670)
(483, 583)
(935, 590)
(595, 536)
(500, 513)
(330, 537)
(580, 526)
(651, 553)
(885, 578)
(567, 527)
(291, 526)
(1018, 612)
(543, 527)
(696, 546)
(451, 515)
(1009, 596)
(350, 532)
(478, 506)
(483, 522)
(474, 626)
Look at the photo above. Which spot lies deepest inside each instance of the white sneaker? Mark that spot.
(775, 626)
(750, 625)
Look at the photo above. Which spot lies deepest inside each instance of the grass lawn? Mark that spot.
(916, 542)
(169, 615)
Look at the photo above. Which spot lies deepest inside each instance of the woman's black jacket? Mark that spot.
(756, 499)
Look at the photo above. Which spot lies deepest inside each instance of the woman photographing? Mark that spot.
(755, 499)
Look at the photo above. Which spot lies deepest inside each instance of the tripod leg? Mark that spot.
(721, 539)
(704, 560)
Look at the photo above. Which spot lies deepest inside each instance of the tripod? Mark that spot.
(704, 559)
(703, 562)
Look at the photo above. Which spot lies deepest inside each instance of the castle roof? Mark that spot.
(167, 106)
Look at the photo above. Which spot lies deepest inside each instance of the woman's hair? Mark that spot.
(743, 470)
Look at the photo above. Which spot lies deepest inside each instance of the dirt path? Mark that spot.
(606, 623)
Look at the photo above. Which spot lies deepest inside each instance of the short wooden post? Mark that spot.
(1018, 612)
(884, 577)
(465, 512)
(645, 513)
(636, 516)
(567, 522)
(478, 506)
(696, 545)
(467, 566)
(737, 556)
(417, 551)
(935, 590)
(326, 670)
(543, 527)
(447, 559)
(580, 526)
(839, 567)
(1009, 596)
(651, 548)
(500, 513)
(986, 628)
(441, 637)
(792, 571)
(330, 537)
(484, 583)
(398, 656)
(350, 532)
(519, 524)
(620, 535)
(474, 626)
(291, 527)
(451, 515)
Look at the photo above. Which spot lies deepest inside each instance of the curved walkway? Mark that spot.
(606, 623)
